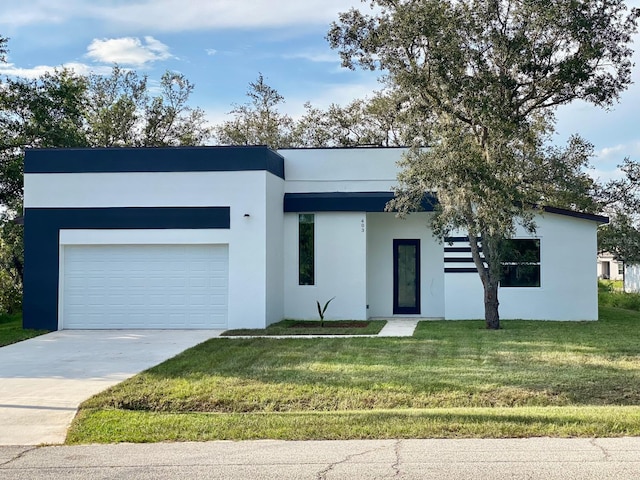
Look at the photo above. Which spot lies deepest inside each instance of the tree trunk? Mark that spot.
(491, 316)
(490, 276)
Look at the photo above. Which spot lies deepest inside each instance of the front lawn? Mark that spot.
(452, 379)
(11, 330)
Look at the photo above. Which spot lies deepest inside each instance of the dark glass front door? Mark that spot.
(406, 276)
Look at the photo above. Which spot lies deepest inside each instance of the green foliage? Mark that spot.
(11, 330)
(122, 113)
(621, 237)
(322, 310)
(609, 297)
(490, 75)
(257, 122)
(386, 120)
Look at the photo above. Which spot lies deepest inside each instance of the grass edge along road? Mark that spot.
(452, 380)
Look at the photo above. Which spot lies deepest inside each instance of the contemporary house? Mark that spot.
(228, 237)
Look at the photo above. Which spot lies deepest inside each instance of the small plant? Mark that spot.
(322, 310)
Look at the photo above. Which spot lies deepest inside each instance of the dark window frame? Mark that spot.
(306, 249)
(417, 308)
(521, 263)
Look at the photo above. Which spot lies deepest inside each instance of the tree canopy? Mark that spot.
(491, 74)
(621, 237)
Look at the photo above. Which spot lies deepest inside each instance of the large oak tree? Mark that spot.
(492, 72)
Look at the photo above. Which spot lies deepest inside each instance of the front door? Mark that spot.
(406, 276)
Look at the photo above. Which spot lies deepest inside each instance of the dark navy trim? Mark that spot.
(41, 245)
(165, 159)
(572, 213)
(345, 202)
(458, 260)
(458, 249)
(460, 270)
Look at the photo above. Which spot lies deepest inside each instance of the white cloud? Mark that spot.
(178, 15)
(320, 57)
(211, 51)
(11, 70)
(128, 51)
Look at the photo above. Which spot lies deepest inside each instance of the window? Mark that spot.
(620, 268)
(521, 263)
(306, 248)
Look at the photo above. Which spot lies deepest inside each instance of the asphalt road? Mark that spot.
(536, 458)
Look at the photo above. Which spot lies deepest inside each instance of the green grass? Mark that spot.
(291, 327)
(11, 330)
(611, 296)
(452, 379)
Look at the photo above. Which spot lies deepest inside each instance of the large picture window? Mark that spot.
(521, 263)
(306, 258)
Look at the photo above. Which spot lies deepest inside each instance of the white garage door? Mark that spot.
(145, 286)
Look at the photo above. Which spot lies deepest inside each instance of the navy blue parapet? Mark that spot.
(166, 159)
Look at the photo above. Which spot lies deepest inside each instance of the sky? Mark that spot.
(222, 45)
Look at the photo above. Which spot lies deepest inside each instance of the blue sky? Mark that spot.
(222, 45)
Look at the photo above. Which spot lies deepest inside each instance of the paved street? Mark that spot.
(537, 458)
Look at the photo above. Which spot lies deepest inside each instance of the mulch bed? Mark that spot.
(331, 324)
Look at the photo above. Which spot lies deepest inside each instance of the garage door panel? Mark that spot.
(145, 286)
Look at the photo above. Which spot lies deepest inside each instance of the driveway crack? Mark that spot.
(605, 452)
(18, 456)
(322, 474)
(397, 464)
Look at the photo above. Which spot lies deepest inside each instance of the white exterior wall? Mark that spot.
(341, 170)
(382, 229)
(632, 278)
(340, 267)
(274, 249)
(243, 191)
(568, 287)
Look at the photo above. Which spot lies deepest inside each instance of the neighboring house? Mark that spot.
(228, 237)
(609, 268)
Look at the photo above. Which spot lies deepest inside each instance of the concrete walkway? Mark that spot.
(399, 327)
(44, 379)
(535, 458)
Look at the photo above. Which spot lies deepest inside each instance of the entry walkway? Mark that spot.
(399, 327)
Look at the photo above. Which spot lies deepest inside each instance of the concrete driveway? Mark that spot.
(44, 379)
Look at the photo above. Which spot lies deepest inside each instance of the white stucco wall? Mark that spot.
(568, 288)
(341, 170)
(340, 267)
(274, 249)
(632, 278)
(382, 229)
(245, 192)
